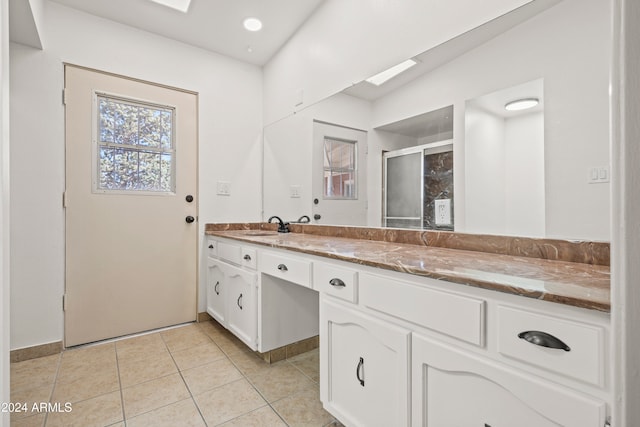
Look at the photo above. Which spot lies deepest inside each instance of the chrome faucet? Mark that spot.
(283, 227)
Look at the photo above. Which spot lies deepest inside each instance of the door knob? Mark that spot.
(189, 219)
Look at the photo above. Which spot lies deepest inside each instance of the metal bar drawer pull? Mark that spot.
(543, 339)
(247, 257)
(337, 283)
(358, 368)
(282, 267)
(239, 302)
(215, 288)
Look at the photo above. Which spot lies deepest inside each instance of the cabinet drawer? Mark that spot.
(294, 270)
(451, 314)
(581, 359)
(228, 252)
(337, 281)
(249, 258)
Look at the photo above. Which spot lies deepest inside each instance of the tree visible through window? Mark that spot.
(135, 146)
(339, 169)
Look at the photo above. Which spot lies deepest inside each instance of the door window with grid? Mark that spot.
(340, 169)
(135, 146)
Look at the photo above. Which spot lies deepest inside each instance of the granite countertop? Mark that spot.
(570, 283)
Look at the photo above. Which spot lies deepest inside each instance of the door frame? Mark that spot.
(196, 206)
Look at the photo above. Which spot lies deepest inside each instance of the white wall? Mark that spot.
(524, 175)
(346, 41)
(484, 176)
(4, 211)
(569, 46)
(230, 133)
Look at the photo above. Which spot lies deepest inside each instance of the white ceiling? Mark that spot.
(215, 25)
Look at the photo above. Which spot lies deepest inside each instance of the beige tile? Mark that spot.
(29, 396)
(153, 394)
(101, 352)
(210, 376)
(250, 363)
(308, 363)
(280, 381)
(228, 402)
(184, 337)
(230, 344)
(263, 417)
(34, 373)
(303, 409)
(183, 414)
(140, 347)
(99, 411)
(197, 356)
(303, 346)
(86, 386)
(136, 371)
(34, 352)
(79, 364)
(32, 421)
(212, 328)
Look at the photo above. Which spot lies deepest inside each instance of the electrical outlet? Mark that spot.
(443, 211)
(224, 188)
(294, 191)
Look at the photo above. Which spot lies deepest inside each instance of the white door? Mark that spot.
(131, 184)
(216, 291)
(364, 368)
(453, 388)
(339, 175)
(242, 313)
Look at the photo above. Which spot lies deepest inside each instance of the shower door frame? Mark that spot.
(403, 152)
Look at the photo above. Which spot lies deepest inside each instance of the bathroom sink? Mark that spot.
(261, 233)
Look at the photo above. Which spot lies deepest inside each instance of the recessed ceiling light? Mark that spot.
(387, 74)
(252, 24)
(521, 104)
(181, 5)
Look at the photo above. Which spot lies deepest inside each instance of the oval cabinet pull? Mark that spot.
(247, 257)
(358, 368)
(282, 267)
(335, 282)
(543, 339)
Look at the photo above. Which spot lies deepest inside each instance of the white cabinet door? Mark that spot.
(454, 388)
(242, 315)
(216, 290)
(364, 376)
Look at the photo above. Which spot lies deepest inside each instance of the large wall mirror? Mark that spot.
(540, 172)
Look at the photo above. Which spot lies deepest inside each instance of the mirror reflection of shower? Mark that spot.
(418, 171)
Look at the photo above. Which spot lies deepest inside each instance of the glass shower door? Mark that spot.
(403, 189)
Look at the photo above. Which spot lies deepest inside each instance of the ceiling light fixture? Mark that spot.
(252, 24)
(180, 5)
(389, 73)
(521, 104)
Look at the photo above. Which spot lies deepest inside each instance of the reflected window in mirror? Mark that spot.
(339, 170)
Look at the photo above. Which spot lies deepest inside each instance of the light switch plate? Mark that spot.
(224, 188)
(294, 191)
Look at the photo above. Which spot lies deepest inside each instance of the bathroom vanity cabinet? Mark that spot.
(405, 350)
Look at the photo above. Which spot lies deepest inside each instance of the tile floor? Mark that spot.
(193, 375)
